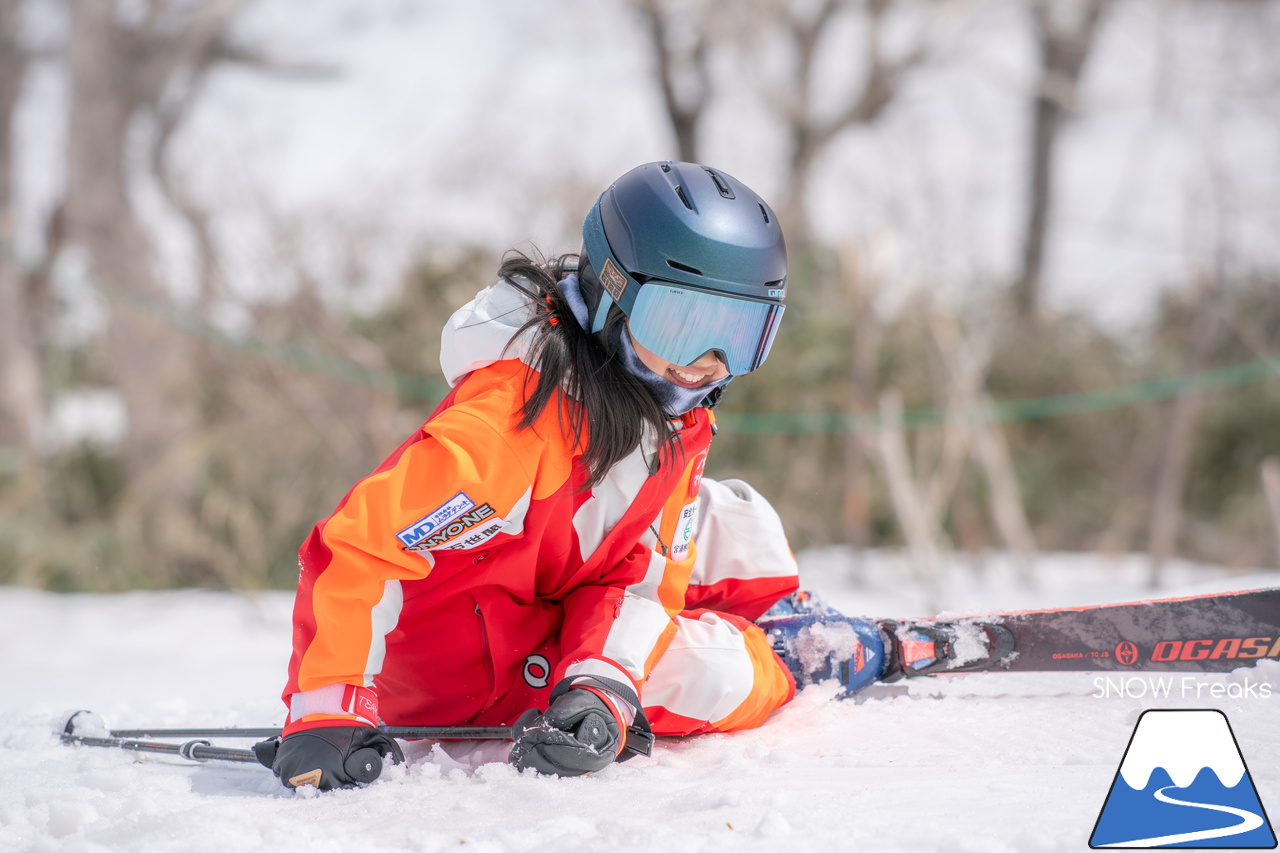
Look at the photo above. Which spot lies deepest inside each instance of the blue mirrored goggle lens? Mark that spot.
(680, 325)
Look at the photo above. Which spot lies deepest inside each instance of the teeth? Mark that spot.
(686, 377)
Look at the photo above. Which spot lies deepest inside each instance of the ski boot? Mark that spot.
(818, 643)
(933, 647)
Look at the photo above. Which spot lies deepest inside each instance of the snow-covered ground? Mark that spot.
(984, 763)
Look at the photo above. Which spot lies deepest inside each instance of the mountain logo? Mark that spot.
(1183, 783)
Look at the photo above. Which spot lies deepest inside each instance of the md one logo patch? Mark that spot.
(1183, 783)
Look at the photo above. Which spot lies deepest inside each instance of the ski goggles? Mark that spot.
(680, 324)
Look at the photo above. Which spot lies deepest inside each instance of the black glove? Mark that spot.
(579, 733)
(329, 757)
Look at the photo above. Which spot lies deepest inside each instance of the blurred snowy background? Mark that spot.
(1035, 259)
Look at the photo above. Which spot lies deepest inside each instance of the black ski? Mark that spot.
(1203, 633)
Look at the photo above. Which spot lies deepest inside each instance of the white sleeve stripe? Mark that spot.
(515, 518)
(609, 501)
(634, 634)
(648, 587)
(383, 619)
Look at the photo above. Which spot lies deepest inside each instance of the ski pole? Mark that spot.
(193, 750)
(95, 729)
(403, 732)
(363, 765)
(360, 764)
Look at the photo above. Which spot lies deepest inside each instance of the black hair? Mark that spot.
(597, 391)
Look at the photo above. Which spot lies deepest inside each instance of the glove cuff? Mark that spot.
(332, 705)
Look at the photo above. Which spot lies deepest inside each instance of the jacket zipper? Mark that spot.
(488, 657)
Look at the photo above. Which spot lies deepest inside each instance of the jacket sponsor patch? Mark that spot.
(492, 526)
(436, 520)
(684, 532)
(484, 515)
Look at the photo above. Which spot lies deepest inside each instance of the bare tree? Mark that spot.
(916, 513)
(179, 98)
(133, 71)
(678, 38)
(21, 379)
(880, 75)
(1269, 471)
(1065, 31)
(681, 37)
(862, 275)
(924, 491)
(965, 360)
(1007, 510)
(921, 492)
(1178, 441)
(122, 69)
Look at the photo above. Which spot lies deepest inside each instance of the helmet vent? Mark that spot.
(676, 265)
(683, 198)
(721, 184)
(764, 212)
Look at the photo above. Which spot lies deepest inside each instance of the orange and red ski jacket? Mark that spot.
(470, 572)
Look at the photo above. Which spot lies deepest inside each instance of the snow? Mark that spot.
(977, 762)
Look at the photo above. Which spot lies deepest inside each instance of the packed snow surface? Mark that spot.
(977, 762)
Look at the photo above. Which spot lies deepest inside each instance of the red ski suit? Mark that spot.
(469, 573)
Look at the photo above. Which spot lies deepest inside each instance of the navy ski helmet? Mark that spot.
(693, 258)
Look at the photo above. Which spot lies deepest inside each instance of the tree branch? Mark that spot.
(683, 114)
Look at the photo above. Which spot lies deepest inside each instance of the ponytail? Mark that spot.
(599, 397)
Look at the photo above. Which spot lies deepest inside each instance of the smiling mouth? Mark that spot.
(686, 380)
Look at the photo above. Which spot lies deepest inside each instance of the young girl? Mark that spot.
(547, 539)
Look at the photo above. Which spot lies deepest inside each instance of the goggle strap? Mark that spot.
(602, 311)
